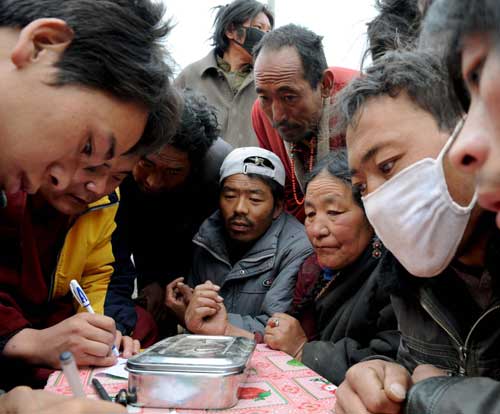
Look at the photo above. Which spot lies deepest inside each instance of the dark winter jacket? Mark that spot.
(351, 320)
(442, 325)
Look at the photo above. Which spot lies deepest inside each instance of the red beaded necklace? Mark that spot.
(294, 178)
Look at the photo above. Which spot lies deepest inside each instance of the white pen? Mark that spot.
(71, 373)
(84, 301)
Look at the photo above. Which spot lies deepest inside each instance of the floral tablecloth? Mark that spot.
(276, 384)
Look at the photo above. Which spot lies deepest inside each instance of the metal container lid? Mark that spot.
(195, 353)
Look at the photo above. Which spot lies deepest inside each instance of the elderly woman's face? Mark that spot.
(335, 224)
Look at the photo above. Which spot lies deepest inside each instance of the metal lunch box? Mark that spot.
(191, 372)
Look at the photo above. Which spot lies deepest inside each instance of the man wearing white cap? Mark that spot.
(248, 253)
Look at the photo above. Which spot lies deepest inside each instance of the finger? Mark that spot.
(397, 382)
(207, 286)
(204, 312)
(173, 284)
(102, 322)
(136, 347)
(269, 341)
(205, 302)
(88, 347)
(23, 399)
(185, 291)
(127, 346)
(178, 280)
(93, 361)
(99, 335)
(209, 294)
(367, 382)
(118, 339)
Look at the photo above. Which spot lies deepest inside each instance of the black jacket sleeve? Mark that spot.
(333, 359)
(457, 395)
(119, 304)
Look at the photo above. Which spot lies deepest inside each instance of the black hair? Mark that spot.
(308, 44)
(420, 74)
(457, 19)
(198, 128)
(396, 26)
(116, 49)
(232, 16)
(336, 164)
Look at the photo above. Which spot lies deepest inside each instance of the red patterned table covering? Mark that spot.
(276, 384)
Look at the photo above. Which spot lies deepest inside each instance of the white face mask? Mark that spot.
(416, 218)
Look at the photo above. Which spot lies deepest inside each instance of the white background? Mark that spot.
(341, 23)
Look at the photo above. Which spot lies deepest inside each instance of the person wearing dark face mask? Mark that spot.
(225, 75)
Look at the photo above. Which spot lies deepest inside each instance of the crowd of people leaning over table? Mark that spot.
(350, 219)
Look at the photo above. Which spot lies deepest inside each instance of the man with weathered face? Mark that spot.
(399, 120)
(64, 103)
(292, 114)
(247, 253)
(225, 76)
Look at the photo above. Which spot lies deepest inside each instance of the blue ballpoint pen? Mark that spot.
(83, 300)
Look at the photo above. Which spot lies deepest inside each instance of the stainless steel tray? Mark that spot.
(191, 372)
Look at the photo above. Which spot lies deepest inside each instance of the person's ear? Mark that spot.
(41, 39)
(231, 32)
(278, 209)
(327, 83)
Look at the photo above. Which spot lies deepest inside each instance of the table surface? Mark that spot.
(276, 384)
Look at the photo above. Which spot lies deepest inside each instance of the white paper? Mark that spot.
(117, 370)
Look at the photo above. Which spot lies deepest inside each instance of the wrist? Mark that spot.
(23, 346)
(232, 330)
(299, 351)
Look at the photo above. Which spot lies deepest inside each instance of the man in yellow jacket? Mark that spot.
(51, 238)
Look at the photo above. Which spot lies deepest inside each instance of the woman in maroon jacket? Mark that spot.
(341, 310)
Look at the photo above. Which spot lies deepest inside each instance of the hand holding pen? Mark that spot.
(89, 337)
(83, 300)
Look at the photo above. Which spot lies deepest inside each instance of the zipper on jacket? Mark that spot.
(463, 361)
(465, 348)
(462, 348)
(460, 345)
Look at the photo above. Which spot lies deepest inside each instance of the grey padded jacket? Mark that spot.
(263, 281)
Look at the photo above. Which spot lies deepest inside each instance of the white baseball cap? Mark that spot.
(253, 160)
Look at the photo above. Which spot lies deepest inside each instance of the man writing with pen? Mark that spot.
(65, 235)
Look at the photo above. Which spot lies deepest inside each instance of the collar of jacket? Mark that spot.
(208, 65)
(211, 237)
(107, 201)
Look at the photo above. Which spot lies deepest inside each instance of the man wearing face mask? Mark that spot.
(225, 75)
(400, 122)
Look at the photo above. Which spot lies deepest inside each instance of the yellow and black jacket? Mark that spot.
(30, 297)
